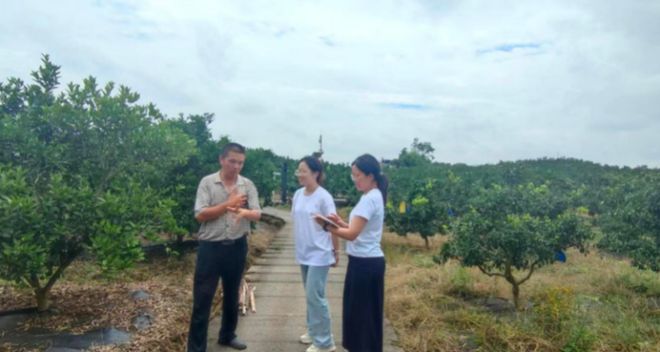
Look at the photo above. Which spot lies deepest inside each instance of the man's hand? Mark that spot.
(238, 212)
(244, 213)
(236, 200)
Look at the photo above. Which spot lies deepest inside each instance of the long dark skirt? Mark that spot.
(364, 287)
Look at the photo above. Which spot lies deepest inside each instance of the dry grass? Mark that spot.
(83, 300)
(590, 303)
(594, 301)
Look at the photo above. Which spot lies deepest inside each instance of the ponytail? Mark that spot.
(383, 183)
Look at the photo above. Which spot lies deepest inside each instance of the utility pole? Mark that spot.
(319, 154)
(283, 185)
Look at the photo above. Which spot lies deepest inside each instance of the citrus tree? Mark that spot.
(181, 184)
(75, 175)
(261, 166)
(631, 226)
(511, 231)
(428, 207)
(422, 211)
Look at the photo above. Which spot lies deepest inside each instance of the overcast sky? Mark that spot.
(483, 81)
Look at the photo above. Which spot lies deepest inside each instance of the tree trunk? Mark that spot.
(515, 285)
(426, 241)
(515, 289)
(42, 299)
(41, 293)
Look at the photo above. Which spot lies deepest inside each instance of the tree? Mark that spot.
(422, 211)
(631, 227)
(420, 153)
(424, 149)
(46, 227)
(516, 228)
(181, 184)
(338, 182)
(260, 167)
(75, 175)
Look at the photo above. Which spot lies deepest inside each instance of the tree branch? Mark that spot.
(26, 280)
(531, 271)
(34, 281)
(60, 270)
(489, 273)
(106, 180)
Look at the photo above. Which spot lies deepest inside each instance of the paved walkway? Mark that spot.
(280, 300)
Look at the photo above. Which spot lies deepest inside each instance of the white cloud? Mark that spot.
(482, 81)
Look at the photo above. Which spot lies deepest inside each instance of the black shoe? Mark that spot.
(235, 343)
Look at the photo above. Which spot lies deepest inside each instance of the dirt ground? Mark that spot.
(84, 300)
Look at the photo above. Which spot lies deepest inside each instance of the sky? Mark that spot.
(482, 81)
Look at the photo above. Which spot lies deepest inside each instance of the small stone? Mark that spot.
(140, 295)
(142, 321)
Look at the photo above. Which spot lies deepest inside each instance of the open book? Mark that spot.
(325, 220)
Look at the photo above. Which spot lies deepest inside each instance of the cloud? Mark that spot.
(327, 41)
(405, 106)
(482, 81)
(510, 47)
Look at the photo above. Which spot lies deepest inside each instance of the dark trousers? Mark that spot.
(215, 260)
(364, 291)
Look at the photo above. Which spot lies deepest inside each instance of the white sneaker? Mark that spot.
(313, 348)
(306, 339)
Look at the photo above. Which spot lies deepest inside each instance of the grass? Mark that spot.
(591, 303)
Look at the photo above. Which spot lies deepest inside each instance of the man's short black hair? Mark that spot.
(232, 147)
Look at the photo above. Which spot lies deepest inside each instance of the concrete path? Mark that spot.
(280, 300)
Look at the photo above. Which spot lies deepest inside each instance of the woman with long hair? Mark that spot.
(362, 325)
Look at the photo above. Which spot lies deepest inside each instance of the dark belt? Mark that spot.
(229, 242)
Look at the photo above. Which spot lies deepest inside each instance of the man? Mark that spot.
(226, 203)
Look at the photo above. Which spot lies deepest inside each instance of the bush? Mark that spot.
(553, 309)
(461, 282)
(646, 282)
(580, 339)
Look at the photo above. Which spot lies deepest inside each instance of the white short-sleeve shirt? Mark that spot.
(313, 245)
(367, 243)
